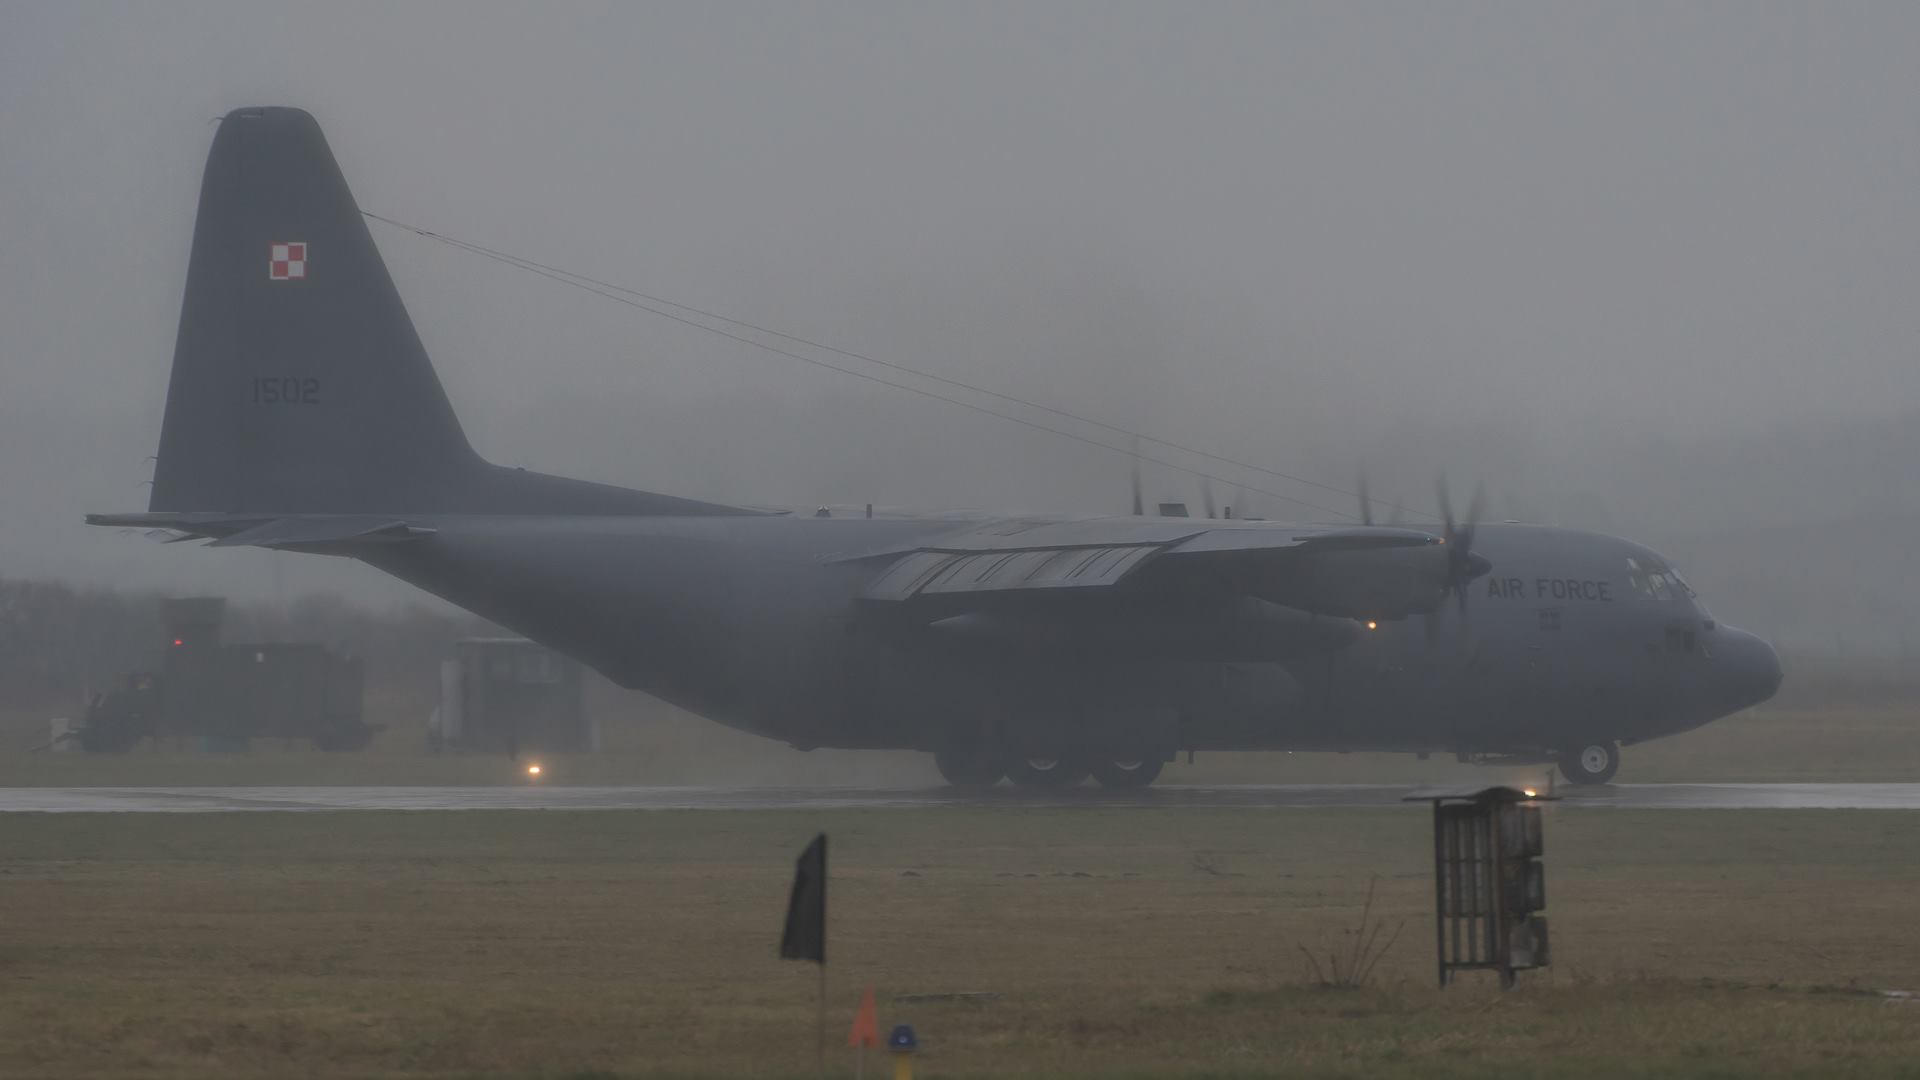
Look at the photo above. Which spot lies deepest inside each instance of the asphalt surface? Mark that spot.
(1262, 796)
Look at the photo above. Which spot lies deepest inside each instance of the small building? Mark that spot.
(512, 696)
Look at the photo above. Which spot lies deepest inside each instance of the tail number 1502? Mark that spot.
(285, 390)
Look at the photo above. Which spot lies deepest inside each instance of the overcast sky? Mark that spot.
(1514, 239)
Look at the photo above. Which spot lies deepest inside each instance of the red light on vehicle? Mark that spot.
(178, 641)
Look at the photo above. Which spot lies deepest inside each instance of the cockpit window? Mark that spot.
(1651, 579)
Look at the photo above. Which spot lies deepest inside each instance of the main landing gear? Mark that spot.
(1127, 772)
(970, 767)
(1062, 771)
(1593, 763)
(977, 768)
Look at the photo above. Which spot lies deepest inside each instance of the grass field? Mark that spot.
(1854, 744)
(1121, 943)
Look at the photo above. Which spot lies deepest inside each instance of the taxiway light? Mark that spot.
(178, 641)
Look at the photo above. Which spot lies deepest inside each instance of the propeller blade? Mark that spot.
(1476, 509)
(1366, 504)
(1206, 499)
(1139, 505)
(1462, 564)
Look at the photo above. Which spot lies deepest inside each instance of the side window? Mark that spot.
(1653, 581)
(1639, 584)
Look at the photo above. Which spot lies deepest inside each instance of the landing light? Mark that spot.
(1529, 792)
(534, 770)
(1371, 625)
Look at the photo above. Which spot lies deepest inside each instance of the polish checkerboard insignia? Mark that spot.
(287, 262)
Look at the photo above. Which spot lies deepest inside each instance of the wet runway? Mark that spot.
(1251, 796)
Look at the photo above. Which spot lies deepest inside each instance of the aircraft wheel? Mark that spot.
(1127, 772)
(1058, 772)
(1594, 763)
(969, 767)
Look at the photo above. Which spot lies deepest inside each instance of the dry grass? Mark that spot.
(556, 944)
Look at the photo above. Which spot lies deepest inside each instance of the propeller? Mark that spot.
(1463, 564)
(1139, 506)
(1206, 499)
(1366, 504)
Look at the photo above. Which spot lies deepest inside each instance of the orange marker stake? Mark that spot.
(865, 1032)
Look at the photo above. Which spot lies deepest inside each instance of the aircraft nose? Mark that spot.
(1752, 667)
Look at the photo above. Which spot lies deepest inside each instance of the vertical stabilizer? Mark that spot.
(299, 384)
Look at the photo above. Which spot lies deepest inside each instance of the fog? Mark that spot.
(1645, 268)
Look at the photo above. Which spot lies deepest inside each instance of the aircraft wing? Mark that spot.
(323, 533)
(1352, 571)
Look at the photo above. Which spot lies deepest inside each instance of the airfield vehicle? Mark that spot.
(232, 692)
(511, 696)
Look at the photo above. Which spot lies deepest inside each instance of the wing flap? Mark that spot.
(1358, 571)
(947, 573)
(1359, 537)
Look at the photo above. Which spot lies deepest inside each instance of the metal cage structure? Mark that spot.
(1489, 887)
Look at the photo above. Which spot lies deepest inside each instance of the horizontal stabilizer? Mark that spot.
(309, 532)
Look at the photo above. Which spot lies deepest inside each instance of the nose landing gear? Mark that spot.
(1592, 763)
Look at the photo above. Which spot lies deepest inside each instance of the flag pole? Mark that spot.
(805, 935)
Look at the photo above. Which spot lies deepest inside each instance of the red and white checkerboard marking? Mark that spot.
(287, 262)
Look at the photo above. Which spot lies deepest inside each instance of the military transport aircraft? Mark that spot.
(304, 415)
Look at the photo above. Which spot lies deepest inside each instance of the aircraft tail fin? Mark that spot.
(299, 384)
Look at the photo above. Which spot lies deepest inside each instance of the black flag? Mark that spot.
(806, 935)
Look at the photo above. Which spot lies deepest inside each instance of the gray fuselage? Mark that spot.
(757, 623)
